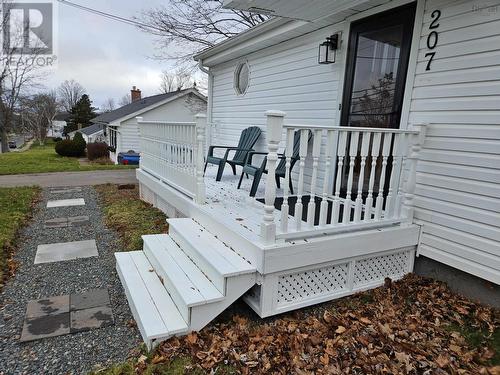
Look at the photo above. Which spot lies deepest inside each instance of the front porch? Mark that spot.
(308, 247)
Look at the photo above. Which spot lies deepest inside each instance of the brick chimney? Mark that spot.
(135, 94)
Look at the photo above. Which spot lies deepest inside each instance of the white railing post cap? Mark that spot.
(139, 118)
(275, 113)
(200, 115)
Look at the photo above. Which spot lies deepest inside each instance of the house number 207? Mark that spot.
(432, 38)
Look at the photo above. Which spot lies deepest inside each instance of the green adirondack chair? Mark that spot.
(257, 171)
(248, 138)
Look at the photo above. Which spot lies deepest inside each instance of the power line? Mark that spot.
(111, 16)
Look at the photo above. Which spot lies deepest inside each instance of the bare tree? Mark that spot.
(177, 80)
(125, 99)
(109, 105)
(69, 93)
(37, 113)
(18, 74)
(194, 25)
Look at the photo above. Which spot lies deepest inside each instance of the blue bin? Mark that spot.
(128, 158)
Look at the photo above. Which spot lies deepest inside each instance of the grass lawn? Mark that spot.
(129, 216)
(41, 159)
(15, 207)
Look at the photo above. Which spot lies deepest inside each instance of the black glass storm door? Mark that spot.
(377, 61)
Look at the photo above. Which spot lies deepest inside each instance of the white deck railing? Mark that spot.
(368, 178)
(173, 152)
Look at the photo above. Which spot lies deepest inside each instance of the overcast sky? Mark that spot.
(105, 56)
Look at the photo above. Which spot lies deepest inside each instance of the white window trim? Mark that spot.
(237, 69)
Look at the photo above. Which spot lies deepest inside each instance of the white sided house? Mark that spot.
(122, 130)
(93, 133)
(397, 104)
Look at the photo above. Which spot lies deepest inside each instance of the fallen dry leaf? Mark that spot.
(340, 329)
(411, 326)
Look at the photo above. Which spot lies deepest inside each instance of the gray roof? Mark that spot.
(92, 129)
(134, 107)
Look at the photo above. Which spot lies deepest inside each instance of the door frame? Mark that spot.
(412, 66)
(367, 23)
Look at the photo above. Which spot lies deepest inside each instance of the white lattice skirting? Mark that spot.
(320, 283)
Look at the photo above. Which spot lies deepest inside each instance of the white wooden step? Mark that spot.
(185, 282)
(214, 257)
(154, 311)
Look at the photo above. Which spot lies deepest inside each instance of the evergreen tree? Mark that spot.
(81, 113)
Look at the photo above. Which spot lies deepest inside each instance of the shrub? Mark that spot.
(97, 150)
(70, 148)
(78, 138)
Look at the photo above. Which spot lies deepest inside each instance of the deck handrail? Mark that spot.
(368, 178)
(173, 152)
(351, 128)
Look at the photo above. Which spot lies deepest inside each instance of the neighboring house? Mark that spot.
(56, 128)
(91, 133)
(397, 104)
(122, 129)
(94, 133)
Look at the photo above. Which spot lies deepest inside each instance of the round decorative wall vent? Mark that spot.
(241, 78)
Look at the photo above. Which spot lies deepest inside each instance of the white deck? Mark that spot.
(235, 207)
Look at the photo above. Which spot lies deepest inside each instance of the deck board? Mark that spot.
(234, 207)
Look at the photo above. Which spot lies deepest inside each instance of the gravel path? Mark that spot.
(74, 353)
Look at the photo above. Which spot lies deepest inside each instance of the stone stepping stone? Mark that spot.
(76, 189)
(61, 315)
(57, 252)
(66, 202)
(63, 222)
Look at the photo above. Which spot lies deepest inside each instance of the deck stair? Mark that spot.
(181, 281)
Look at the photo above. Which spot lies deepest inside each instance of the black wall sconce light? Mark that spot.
(328, 50)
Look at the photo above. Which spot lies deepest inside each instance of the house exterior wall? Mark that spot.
(96, 137)
(182, 109)
(285, 77)
(56, 129)
(458, 191)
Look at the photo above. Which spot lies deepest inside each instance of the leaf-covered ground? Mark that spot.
(413, 326)
(129, 216)
(15, 208)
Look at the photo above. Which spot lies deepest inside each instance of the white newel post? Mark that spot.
(142, 145)
(409, 193)
(274, 132)
(201, 123)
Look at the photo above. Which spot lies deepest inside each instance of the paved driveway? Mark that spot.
(126, 176)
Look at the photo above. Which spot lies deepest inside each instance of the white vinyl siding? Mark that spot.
(458, 181)
(284, 77)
